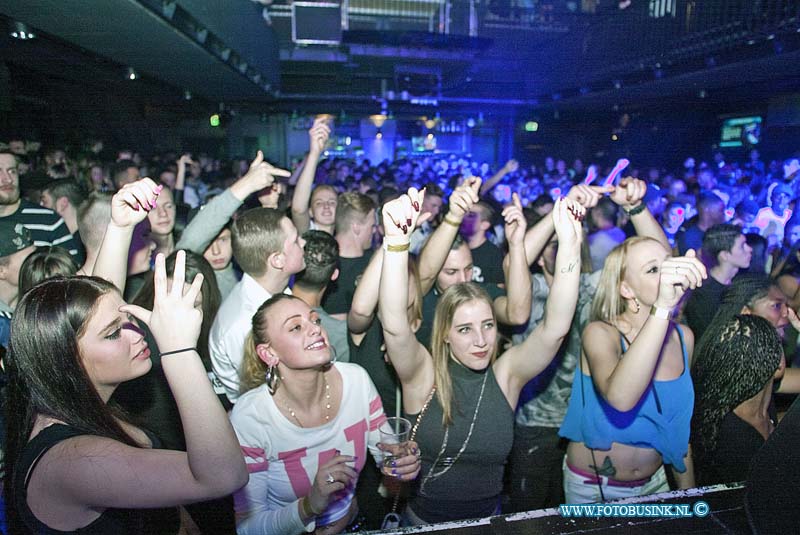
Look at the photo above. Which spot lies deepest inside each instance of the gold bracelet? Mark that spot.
(397, 248)
(308, 511)
(450, 222)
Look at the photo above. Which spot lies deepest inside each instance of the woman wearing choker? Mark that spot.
(465, 422)
(304, 425)
(632, 395)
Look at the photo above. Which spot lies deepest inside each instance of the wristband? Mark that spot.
(637, 209)
(179, 351)
(660, 313)
(396, 248)
(451, 222)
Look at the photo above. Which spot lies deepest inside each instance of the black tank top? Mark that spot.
(454, 486)
(117, 521)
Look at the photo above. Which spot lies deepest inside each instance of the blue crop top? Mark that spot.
(660, 420)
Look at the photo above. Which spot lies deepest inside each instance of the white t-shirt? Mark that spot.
(283, 459)
(231, 326)
(772, 224)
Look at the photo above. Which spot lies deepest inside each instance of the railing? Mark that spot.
(465, 17)
(686, 27)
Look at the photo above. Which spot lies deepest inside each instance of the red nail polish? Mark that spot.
(416, 206)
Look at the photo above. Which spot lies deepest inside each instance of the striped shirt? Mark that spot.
(46, 226)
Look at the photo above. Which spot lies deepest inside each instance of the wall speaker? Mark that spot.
(317, 23)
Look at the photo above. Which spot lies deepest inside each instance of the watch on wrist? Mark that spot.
(638, 209)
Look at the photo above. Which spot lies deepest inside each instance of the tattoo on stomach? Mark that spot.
(607, 469)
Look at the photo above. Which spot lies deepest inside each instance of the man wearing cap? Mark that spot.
(45, 226)
(15, 246)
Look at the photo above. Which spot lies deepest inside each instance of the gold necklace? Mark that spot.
(327, 404)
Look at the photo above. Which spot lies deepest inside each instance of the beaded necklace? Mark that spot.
(327, 404)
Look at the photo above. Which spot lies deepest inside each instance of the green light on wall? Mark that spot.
(531, 126)
(214, 120)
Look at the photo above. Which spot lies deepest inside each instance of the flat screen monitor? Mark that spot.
(741, 132)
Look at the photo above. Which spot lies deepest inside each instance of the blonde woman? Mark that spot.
(304, 425)
(632, 397)
(461, 394)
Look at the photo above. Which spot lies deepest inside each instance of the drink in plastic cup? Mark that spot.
(395, 433)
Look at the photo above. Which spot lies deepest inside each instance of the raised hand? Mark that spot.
(515, 223)
(174, 320)
(793, 319)
(588, 196)
(567, 216)
(318, 135)
(463, 198)
(261, 174)
(511, 166)
(185, 160)
(331, 477)
(678, 275)
(131, 204)
(629, 192)
(402, 215)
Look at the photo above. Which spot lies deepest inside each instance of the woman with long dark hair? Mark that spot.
(74, 463)
(756, 294)
(733, 376)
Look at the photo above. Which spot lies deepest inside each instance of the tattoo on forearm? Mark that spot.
(607, 469)
(570, 268)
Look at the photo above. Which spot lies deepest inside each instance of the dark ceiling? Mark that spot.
(494, 57)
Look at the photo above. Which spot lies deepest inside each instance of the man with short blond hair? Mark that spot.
(355, 225)
(94, 214)
(269, 250)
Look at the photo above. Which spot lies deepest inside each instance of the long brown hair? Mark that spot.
(195, 264)
(454, 297)
(46, 374)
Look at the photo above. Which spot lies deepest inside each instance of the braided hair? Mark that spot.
(744, 291)
(740, 358)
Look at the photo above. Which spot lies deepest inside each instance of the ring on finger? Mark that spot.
(330, 479)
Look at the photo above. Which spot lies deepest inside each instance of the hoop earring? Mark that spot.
(638, 305)
(273, 377)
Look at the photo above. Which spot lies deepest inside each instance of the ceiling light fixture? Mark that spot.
(21, 31)
(131, 74)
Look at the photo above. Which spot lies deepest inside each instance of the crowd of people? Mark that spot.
(216, 348)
